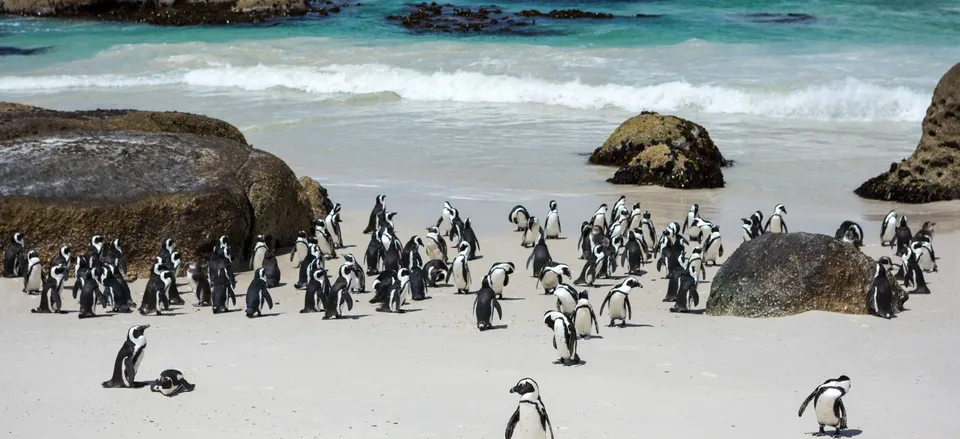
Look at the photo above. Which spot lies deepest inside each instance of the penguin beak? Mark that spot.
(144, 327)
(515, 389)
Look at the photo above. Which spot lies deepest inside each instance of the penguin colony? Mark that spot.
(619, 237)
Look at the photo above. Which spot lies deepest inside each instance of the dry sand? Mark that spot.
(429, 373)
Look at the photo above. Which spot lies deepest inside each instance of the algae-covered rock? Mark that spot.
(781, 274)
(653, 149)
(932, 172)
(316, 197)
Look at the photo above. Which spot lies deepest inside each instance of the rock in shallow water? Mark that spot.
(653, 149)
(140, 177)
(781, 274)
(932, 172)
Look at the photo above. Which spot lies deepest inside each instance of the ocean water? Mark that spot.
(808, 110)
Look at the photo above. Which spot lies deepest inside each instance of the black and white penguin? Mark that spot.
(694, 264)
(62, 258)
(128, 359)
(373, 255)
(619, 223)
(926, 232)
(648, 231)
(914, 275)
(312, 261)
(619, 206)
(115, 289)
(449, 217)
(436, 271)
(166, 250)
(583, 244)
(324, 239)
(530, 420)
(259, 251)
(299, 249)
(692, 214)
(222, 289)
(173, 293)
(584, 319)
(358, 282)
(926, 257)
(566, 296)
(519, 217)
(382, 286)
(552, 274)
(221, 262)
(591, 268)
(633, 255)
(418, 283)
(880, 295)
(258, 294)
(564, 337)
(80, 270)
(199, 283)
(775, 223)
(33, 275)
(435, 245)
(171, 383)
(499, 274)
(695, 232)
(531, 232)
(855, 236)
(333, 221)
(316, 293)
(888, 229)
(380, 206)
(386, 219)
(902, 236)
(540, 256)
(748, 229)
(90, 295)
(599, 218)
(756, 221)
(828, 405)
(155, 294)
(683, 288)
(619, 299)
(485, 304)
(271, 269)
(391, 256)
(113, 255)
(551, 223)
(460, 269)
(14, 263)
(339, 294)
(50, 296)
(670, 255)
(397, 296)
(411, 253)
(468, 236)
(713, 249)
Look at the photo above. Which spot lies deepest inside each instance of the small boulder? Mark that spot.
(653, 149)
(932, 172)
(781, 274)
(316, 197)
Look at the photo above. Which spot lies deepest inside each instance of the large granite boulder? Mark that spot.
(932, 173)
(162, 12)
(653, 149)
(781, 274)
(141, 177)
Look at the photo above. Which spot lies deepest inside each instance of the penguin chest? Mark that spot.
(776, 224)
(497, 279)
(300, 251)
(925, 261)
(553, 226)
(326, 244)
(824, 409)
(583, 321)
(559, 336)
(618, 306)
(258, 259)
(34, 281)
(459, 273)
(432, 249)
(529, 425)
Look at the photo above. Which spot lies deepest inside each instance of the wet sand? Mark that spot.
(428, 373)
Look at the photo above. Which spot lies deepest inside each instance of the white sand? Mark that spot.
(431, 374)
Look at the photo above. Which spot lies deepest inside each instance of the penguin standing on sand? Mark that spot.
(530, 420)
(683, 287)
(695, 264)
(692, 214)
(500, 276)
(397, 296)
(648, 231)
(371, 257)
(173, 294)
(418, 283)
(619, 300)
(90, 295)
(713, 249)
(166, 250)
(299, 249)
(324, 239)
(411, 253)
(197, 278)
(530, 232)
(171, 383)
(435, 271)
(914, 275)
(551, 225)
(221, 291)
(460, 269)
(552, 275)
(13, 260)
(435, 245)
(258, 295)
(564, 337)
(128, 359)
(312, 261)
(358, 283)
(50, 298)
(271, 269)
(888, 229)
(591, 268)
(540, 256)
(470, 237)
(566, 296)
(827, 404)
(599, 218)
(925, 255)
(584, 319)
(339, 295)
(519, 217)
(316, 293)
(633, 256)
(380, 206)
(485, 304)
(118, 292)
(155, 294)
(33, 275)
(584, 246)
(333, 225)
(880, 295)
(113, 255)
(775, 223)
(62, 258)
(902, 236)
(259, 251)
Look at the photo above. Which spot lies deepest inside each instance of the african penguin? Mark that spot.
(519, 217)
(324, 239)
(855, 235)
(166, 250)
(171, 383)
(633, 256)
(258, 295)
(584, 246)
(530, 232)
(713, 249)
(584, 319)
(470, 237)
(333, 221)
(338, 294)
(197, 278)
(116, 288)
(222, 289)
(90, 295)
(435, 245)
(880, 295)
(259, 251)
(599, 218)
(13, 260)
(619, 300)
(692, 214)
(485, 304)
(380, 206)
(564, 337)
(566, 296)
(499, 274)
(683, 287)
(271, 269)
(902, 236)
(33, 275)
(62, 258)
(828, 405)
(551, 225)
(915, 276)
(748, 229)
(436, 271)
(530, 420)
(411, 253)
(50, 298)
(128, 359)
(460, 269)
(775, 223)
(358, 283)
(926, 232)
(552, 275)
(299, 249)
(540, 256)
(373, 255)
(173, 294)
(113, 255)
(155, 294)
(888, 229)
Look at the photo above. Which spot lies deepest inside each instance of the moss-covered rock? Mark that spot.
(140, 177)
(316, 197)
(781, 274)
(932, 172)
(653, 149)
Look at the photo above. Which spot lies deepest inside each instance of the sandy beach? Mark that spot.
(428, 373)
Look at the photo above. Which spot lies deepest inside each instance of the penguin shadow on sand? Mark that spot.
(851, 432)
(578, 363)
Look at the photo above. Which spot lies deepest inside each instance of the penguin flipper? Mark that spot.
(766, 226)
(476, 298)
(530, 258)
(512, 423)
(265, 294)
(348, 299)
(605, 302)
(807, 401)
(496, 306)
(840, 412)
(596, 325)
(721, 250)
(783, 225)
(626, 302)
(547, 425)
(57, 304)
(695, 296)
(129, 371)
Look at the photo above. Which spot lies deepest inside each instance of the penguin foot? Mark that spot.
(611, 324)
(623, 324)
